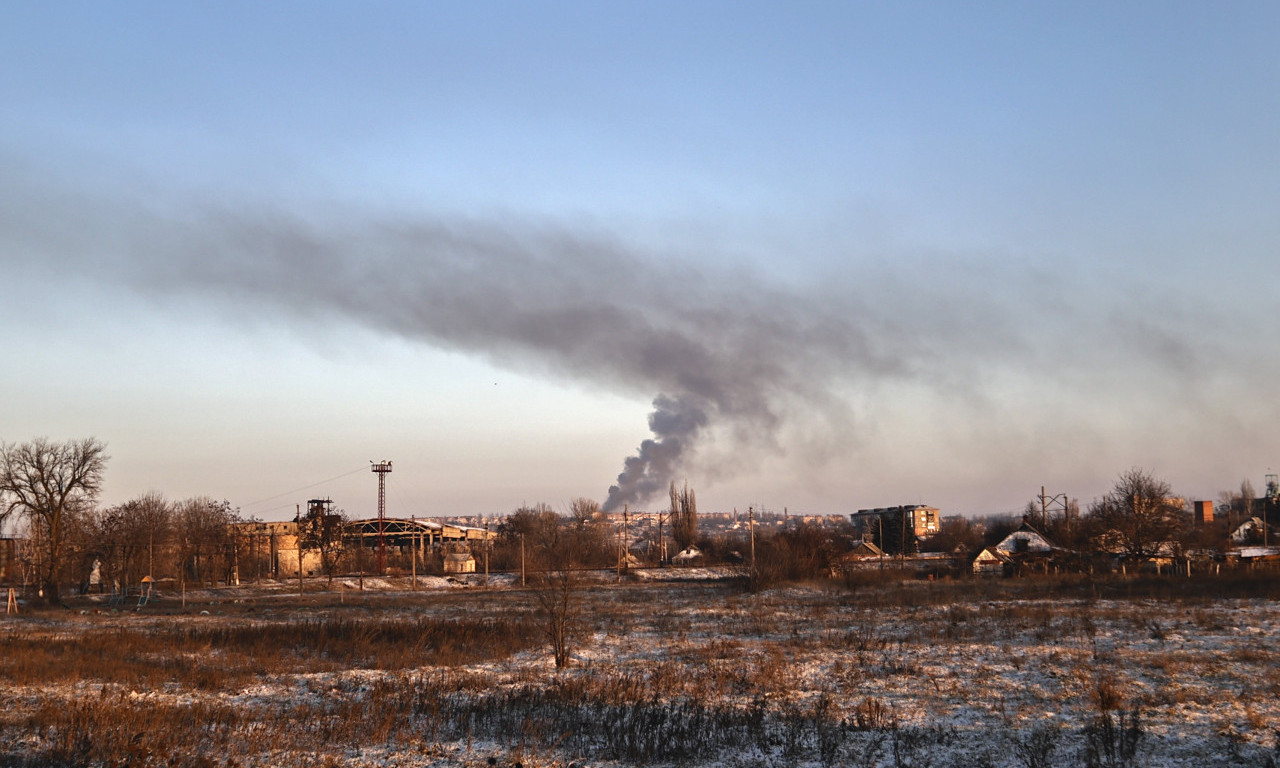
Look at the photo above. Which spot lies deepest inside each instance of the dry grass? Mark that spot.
(222, 655)
(682, 674)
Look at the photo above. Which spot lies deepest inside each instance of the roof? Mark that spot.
(1248, 553)
(688, 554)
(864, 549)
(991, 554)
(1253, 524)
(399, 526)
(1025, 539)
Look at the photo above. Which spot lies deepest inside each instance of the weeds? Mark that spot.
(673, 675)
(1036, 747)
(1112, 740)
(226, 656)
(872, 715)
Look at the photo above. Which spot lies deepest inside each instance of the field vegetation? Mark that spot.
(691, 672)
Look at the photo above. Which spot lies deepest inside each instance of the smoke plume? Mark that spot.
(723, 353)
(675, 423)
(736, 364)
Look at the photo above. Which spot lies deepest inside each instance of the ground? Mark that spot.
(688, 672)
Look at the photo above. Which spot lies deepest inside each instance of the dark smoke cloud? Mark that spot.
(758, 364)
(722, 351)
(676, 423)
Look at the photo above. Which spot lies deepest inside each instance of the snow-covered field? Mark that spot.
(697, 674)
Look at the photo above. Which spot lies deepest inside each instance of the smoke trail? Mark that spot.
(727, 353)
(675, 422)
(742, 365)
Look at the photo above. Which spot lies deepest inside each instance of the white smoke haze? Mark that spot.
(761, 367)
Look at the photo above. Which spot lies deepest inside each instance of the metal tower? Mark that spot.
(381, 469)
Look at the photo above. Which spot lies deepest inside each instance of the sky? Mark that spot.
(807, 256)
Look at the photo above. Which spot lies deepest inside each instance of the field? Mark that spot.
(679, 673)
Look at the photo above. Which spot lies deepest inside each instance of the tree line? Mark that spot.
(1139, 518)
(51, 488)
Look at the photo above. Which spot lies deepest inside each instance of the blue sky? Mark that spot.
(850, 255)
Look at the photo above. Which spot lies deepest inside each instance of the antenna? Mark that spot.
(382, 469)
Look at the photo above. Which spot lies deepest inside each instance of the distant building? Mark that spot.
(1253, 531)
(1202, 512)
(992, 562)
(459, 562)
(1026, 549)
(271, 550)
(898, 529)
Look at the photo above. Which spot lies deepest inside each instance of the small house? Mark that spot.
(992, 562)
(459, 562)
(1024, 550)
(1253, 531)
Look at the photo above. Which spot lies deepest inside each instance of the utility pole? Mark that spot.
(662, 543)
(617, 537)
(902, 553)
(486, 551)
(880, 535)
(413, 551)
(751, 526)
(522, 574)
(1048, 503)
(298, 517)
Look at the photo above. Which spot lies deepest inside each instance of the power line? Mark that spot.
(304, 488)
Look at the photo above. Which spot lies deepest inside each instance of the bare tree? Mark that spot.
(206, 541)
(592, 534)
(1140, 515)
(584, 511)
(556, 549)
(127, 537)
(49, 484)
(1239, 505)
(684, 516)
(321, 530)
(531, 522)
